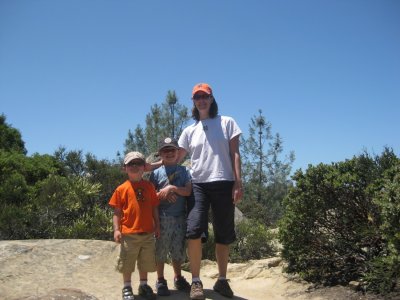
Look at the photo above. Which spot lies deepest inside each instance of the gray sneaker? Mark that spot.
(222, 287)
(196, 291)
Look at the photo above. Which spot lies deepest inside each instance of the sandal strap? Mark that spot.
(127, 293)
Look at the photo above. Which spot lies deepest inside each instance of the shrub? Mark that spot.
(332, 228)
(384, 270)
(253, 241)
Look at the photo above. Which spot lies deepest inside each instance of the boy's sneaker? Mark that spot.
(196, 291)
(162, 288)
(222, 287)
(181, 284)
(146, 292)
(127, 293)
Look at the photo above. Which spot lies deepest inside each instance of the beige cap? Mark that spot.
(133, 155)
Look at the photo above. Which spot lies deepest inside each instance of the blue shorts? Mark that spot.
(218, 196)
(172, 239)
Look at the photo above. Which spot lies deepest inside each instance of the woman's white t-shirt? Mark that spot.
(207, 142)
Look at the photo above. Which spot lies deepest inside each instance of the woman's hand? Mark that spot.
(148, 167)
(237, 191)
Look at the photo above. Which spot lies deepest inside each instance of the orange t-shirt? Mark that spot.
(136, 201)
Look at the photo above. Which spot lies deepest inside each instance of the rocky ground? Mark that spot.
(84, 269)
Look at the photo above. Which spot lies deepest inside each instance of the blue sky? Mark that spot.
(326, 74)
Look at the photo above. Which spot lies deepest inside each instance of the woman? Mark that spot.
(212, 143)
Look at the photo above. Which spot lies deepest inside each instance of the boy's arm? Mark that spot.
(181, 191)
(170, 192)
(117, 224)
(156, 219)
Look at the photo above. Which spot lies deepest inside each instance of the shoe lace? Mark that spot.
(197, 285)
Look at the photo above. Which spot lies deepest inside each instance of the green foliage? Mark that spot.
(12, 222)
(58, 202)
(253, 241)
(96, 223)
(18, 177)
(136, 141)
(166, 119)
(331, 231)
(255, 210)
(265, 172)
(10, 138)
(108, 174)
(384, 270)
(45, 196)
(387, 198)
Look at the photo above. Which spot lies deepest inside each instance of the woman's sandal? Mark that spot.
(127, 293)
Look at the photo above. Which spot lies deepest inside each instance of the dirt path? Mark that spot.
(84, 269)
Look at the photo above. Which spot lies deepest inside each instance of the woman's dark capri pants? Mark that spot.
(218, 194)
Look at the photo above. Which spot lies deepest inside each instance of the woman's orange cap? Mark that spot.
(203, 87)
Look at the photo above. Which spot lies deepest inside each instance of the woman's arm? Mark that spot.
(181, 155)
(148, 167)
(237, 191)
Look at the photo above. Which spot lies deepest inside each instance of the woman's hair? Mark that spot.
(213, 112)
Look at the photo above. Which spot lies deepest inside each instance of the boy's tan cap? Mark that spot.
(133, 155)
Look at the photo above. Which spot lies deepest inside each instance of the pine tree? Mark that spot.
(167, 119)
(265, 172)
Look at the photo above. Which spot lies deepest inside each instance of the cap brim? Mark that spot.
(168, 146)
(202, 90)
(132, 159)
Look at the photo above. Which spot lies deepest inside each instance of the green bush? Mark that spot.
(96, 224)
(332, 228)
(384, 271)
(253, 241)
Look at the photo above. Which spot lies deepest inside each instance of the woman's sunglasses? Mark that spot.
(202, 96)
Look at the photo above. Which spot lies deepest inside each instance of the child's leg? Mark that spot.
(144, 289)
(146, 263)
(180, 282)
(160, 270)
(143, 277)
(127, 293)
(177, 268)
(161, 283)
(127, 277)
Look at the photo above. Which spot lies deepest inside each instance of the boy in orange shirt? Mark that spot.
(136, 223)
